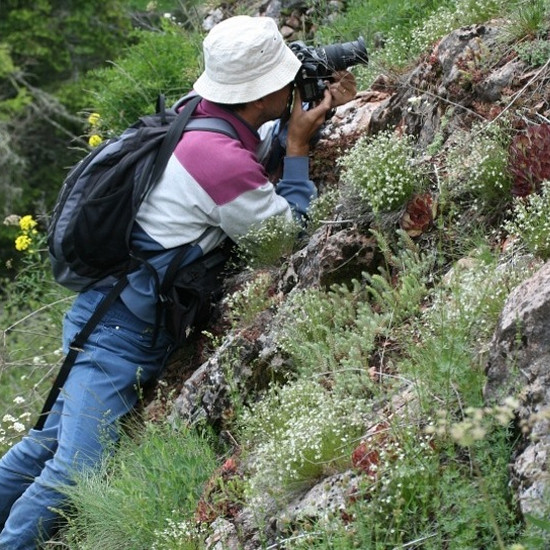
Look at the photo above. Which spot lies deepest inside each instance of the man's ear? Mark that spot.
(259, 103)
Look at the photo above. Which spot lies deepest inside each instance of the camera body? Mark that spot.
(318, 65)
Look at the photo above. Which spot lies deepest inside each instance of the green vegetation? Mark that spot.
(166, 61)
(381, 375)
(381, 170)
(155, 478)
(530, 222)
(296, 433)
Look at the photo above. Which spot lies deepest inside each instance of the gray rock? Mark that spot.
(519, 365)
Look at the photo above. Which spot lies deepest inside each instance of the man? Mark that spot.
(213, 188)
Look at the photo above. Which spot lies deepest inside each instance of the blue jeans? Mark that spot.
(102, 386)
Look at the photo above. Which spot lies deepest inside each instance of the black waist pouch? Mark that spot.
(188, 293)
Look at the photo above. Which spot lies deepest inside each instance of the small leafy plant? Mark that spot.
(477, 166)
(297, 432)
(267, 244)
(531, 222)
(381, 170)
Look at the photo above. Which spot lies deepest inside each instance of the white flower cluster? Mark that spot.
(297, 431)
(264, 245)
(179, 535)
(404, 463)
(476, 422)
(381, 170)
(252, 298)
(479, 165)
(531, 222)
(13, 426)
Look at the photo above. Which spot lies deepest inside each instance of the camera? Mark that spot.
(319, 63)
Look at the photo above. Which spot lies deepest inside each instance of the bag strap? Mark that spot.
(171, 140)
(76, 347)
(181, 124)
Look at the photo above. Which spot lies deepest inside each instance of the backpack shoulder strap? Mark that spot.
(171, 139)
(181, 124)
(218, 125)
(76, 346)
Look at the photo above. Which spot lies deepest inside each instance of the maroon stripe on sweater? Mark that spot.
(220, 165)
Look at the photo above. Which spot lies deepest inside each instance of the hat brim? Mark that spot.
(281, 75)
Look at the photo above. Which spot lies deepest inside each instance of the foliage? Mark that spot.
(12, 165)
(405, 42)
(530, 222)
(445, 360)
(33, 285)
(477, 166)
(252, 298)
(164, 62)
(321, 209)
(297, 432)
(534, 53)
(266, 244)
(381, 170)
(143, 497)
(376, 19)
(54, 41)
(330, 334)
(410, 503)
(528, 20)
(46, 48)
(30, 324)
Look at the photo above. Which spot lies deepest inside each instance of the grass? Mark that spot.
(156, 479)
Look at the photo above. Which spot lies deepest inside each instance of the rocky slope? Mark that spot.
(460, 81)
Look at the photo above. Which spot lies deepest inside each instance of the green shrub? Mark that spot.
(477, 166)
(531, 223)
(381, 170)
(298, 432)
(144, 496)
(160, 62)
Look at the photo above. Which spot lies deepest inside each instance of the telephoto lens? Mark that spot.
(318, 64)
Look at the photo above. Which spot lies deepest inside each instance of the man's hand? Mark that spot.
(303, 124)
(343, 88)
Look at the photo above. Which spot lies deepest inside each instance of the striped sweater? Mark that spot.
(213, 187)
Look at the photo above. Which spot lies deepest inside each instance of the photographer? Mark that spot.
(213, 188)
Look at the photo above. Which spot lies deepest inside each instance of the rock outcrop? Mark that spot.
(448, 82)
(519, 365)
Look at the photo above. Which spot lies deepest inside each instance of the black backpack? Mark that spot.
(90, 228)
(89, 231)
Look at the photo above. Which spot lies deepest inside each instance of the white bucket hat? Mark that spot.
(245, 58)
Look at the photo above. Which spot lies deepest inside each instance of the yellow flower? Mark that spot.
(94, 140)
(26, 223)
(93, 119)
(22, 242)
